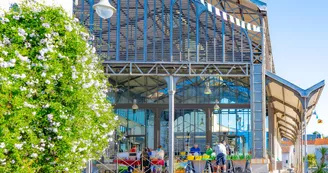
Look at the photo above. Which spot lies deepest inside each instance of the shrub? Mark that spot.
(311, 160)
(54, 115)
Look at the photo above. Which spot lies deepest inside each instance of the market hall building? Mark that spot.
(198, 71)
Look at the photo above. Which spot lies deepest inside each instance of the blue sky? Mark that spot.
(299, 37)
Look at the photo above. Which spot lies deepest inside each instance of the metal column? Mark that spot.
(209, 124)
(258, 101)
(305, 136)
(171, 82)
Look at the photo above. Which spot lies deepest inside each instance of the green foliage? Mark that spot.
(54, 115)
(323, 152)
(311, 160)
(248, 157)
(239, 157)
(321, 166)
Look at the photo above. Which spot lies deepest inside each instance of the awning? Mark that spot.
(288, 103)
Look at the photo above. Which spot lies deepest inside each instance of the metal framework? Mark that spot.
(201, 69)
(182, 38)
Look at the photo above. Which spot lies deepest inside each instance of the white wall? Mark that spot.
(311, 149)
(285, 156)
(66, 4)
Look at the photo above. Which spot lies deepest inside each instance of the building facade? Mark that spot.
(179, 58)
(182, 59)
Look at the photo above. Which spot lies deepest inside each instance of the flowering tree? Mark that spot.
(54, 115)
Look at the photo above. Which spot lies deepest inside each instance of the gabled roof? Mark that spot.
(289, 103)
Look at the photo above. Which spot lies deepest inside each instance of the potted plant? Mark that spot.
(240, 160)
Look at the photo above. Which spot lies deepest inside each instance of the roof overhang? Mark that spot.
(289, 103)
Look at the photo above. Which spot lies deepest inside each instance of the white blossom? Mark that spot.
(46, 25)
(13, 61)
(34, 155)
(74, 76)
(104, 125)
(4, 20)
(66, 169)
(68, 28)
(59, 137)
(29, 105)
(55, 130)
(16, 17)
(19, 146)
(33, 113)
(43, 74)
(32, 35)
(47, 81)
(13, 162)
(6, 40)
(19, 76)
(2, 145)
(22, 88)
(5, 53)
(50, 117)
(21, 32)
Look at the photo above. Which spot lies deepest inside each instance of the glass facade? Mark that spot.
(137, 128)
(233, 125)
(190, 124)
(189, 90)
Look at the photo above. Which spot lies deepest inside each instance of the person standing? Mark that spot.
(221, 152)
(209, 151)
(145, 161)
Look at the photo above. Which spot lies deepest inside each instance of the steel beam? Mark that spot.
(206, 69)
(181, 106)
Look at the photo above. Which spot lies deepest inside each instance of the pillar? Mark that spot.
(171, 82)
(258, 100)
(272, 136)
(157, 127)
(209, 125)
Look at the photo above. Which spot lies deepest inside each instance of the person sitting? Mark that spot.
(160, 153)
(133, 153)
(195, 150)
(133, 149)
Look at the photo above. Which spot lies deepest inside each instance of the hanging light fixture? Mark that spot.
(104, 9)
(207, 88)
(135, 106)
(216, 106)
(201, 122)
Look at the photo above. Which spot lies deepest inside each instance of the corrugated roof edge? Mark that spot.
(261, 4)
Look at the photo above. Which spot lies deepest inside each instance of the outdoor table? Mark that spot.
(157, 162)
(199, 165)
(127, 162)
